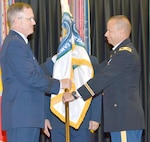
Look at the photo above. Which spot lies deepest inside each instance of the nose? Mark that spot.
(33, 21)
(106, 34)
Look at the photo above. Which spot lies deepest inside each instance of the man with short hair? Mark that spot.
(24, 81)
(118, 79)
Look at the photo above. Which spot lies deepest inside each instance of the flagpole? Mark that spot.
(67, 120)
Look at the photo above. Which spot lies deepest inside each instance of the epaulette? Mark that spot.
(125, 48)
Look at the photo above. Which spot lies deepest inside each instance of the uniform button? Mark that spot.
(103, 93)
(115, 105)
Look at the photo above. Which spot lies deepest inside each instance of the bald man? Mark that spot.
(118, 79)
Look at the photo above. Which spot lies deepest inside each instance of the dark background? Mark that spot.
(45, 39)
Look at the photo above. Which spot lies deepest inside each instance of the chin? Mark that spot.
(31, 32)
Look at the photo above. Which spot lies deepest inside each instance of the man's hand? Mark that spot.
(93, 125)
(47, 128)
(67, 97)
(66, 83)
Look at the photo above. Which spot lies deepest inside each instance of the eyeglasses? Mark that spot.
(30, 19)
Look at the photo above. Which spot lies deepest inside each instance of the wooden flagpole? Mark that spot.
(65, 8)
(67, 120)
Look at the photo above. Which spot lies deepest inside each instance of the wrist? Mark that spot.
(74, 94)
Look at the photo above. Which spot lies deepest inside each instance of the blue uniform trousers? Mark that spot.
(23, 135)
(80, 135)
(126, 136)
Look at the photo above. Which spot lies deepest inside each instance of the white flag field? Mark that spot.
(72, 62)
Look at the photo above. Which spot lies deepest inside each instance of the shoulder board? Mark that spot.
(125, 48)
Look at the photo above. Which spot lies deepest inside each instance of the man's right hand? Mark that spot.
(67, 97)
(66, 83)
(47, 128)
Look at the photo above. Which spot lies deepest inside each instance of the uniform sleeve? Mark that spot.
(48, 67)
(26, 68)
(112, 71)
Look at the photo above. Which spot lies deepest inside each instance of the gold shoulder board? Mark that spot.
(125, 48)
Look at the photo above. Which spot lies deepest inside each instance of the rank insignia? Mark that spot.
(125, 48)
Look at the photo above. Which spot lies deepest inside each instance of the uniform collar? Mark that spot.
(23, 36)
(123, 43)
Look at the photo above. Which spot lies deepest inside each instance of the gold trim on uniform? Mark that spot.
(89, 89)
(123, 136)
(125, 48)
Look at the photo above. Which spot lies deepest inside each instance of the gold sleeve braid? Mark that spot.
(89, 89)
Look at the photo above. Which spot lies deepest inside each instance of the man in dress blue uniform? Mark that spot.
(118, 78)
(24, 82)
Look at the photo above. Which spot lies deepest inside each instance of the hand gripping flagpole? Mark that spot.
(67, 120)
(65, 8)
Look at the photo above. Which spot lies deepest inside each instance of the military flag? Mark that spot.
(72, 61)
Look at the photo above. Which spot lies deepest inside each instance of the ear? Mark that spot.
(17, 22)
